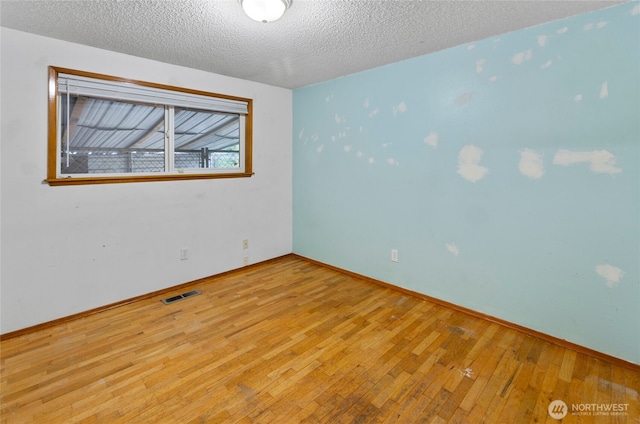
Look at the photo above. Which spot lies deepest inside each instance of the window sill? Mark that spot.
(142, 178)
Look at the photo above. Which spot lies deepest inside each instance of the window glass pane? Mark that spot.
(108, 129)
(205, 139)
(104, 136)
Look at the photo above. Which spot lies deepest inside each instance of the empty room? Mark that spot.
(295, 211)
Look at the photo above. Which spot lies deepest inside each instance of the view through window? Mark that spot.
(116, 129)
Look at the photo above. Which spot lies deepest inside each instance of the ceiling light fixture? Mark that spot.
(265, 10)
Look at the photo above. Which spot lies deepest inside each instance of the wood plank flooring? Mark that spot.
(293, 342)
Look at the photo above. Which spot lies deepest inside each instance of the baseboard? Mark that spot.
(543, 336)
(104, 308)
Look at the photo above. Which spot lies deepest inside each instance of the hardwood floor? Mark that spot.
(293, 342)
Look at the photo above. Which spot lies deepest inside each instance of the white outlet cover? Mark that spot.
(394, 255)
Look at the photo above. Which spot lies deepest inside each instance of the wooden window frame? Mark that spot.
(53, 151)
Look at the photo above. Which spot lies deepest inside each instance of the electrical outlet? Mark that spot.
(394, 255)
(245, 244)
(184, 253)
(245, 261)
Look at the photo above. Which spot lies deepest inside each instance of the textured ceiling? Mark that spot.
(315, 41)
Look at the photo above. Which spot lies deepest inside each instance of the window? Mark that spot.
(105, 129)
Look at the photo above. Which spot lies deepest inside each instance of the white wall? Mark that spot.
(70, 249)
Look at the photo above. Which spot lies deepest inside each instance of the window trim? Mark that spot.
(53, 177)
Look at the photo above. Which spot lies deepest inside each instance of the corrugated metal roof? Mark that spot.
(99, 125)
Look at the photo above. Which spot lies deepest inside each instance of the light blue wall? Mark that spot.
(505, 172)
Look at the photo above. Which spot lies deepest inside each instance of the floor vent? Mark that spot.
(173, 299)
